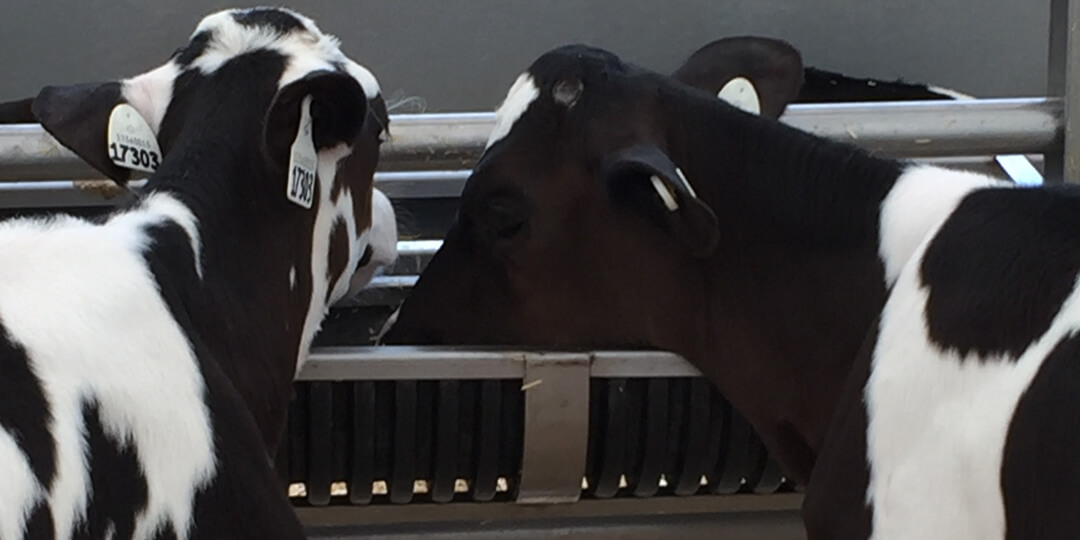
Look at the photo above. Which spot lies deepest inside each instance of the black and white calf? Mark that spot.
(901, 336)
(146, 358)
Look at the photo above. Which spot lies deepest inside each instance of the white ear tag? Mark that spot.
(740, 92)
(664, 193)
(131, 142)
(685, 182)
(303, 161)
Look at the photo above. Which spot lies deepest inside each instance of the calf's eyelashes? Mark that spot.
(498, 216)
(645, 178)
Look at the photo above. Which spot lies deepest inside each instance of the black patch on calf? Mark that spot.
(835, 505)
(1039, 469)
(24, 411)
(820, 86)
(199, 96)
(999, 269)
(245, 499)
(195, 48)
(366, 257)
(280, 21)
(39, 526)
(119, 491)
(172, 263)
(245, 484)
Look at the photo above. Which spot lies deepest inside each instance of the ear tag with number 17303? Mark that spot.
(130, 141)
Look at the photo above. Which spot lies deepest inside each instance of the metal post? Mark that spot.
(1063, 79)
(556, 439)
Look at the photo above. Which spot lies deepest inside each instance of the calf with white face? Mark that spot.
(146, 358)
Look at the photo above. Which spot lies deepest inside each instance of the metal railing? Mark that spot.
(452, 142)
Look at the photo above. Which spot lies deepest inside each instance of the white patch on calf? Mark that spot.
(363, 76)
(230, 39)
(21, 490)
(151, 92)
(116, 343)
(305, 51)
(521, 95)
(292, 277)
(328, 214)
(937, 421)
(383, 241)
(920, 200)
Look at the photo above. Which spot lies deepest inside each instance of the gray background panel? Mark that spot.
(460, 55)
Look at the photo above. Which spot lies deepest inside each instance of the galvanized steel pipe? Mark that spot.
(455, 363)
(453, 141)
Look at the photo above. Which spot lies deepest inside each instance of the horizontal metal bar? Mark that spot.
(392, 282)
(418, 248)
(939, 128)
(44, 193)
(640, 364)
(447, 363)
(61, 194)
(411, 363)
(422, 184)
(454, 141)
(27, 152)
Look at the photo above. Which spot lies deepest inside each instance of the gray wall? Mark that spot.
(463, 54)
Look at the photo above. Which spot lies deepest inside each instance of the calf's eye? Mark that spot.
(506, 220)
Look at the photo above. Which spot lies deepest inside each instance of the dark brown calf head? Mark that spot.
(577, 228)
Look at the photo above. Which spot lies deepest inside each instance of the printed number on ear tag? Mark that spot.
(740, 92)
(131, 142)
(303, 161)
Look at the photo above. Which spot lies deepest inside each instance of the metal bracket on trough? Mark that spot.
(556, 439)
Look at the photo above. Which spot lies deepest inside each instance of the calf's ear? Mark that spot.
(77, 117)
(338, 108)
(644, 178)
(747, 69)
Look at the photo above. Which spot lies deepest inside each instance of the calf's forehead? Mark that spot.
(228, 34)
(560, 79)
